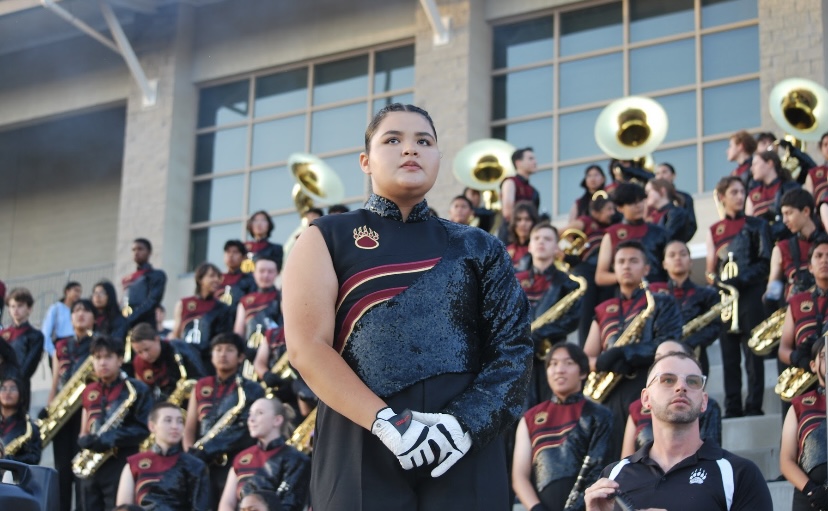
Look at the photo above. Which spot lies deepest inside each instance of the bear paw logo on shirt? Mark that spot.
(698, 476)
(365, 237)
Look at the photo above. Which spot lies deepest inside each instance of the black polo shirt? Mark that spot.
(711, 479)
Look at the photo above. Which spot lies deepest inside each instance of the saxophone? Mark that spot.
(792, 382)
(767, 334)
(302, 436)
(701, 321)
(253, 342)
(87, 462)
(181, 393)
(18, 442)
(225, 420)
(557, 310)
(598, 385)
(65, 403)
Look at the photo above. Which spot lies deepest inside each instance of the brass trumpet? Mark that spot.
(730, 309)
(573, 242)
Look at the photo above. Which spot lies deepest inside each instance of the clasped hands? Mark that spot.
(422, 439)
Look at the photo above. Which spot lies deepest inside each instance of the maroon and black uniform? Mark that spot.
(162, 375)
(201, 320)
(819, 178)
(27, 343)
(673, 219)
(748, 238)
(794, 252)
(172, 481)
(240, 284)
(519, 254)
(144, 290)
(811, 440)
(262, 307)
(710, 423)
(585, 267)
(743, 173)
(652, 237)
(264, 248)
(613, 317)
(101, 401)
(808, 311)
(276, 467)
(115, 326)
(562, 434)
(523, 190)
(15, 426)
(767, 204)
(594, 231)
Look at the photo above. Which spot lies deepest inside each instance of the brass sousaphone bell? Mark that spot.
(631, 128)
(482, 165)
(800, 108)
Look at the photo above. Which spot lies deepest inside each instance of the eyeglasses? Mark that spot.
(9, 389)
(669, 380)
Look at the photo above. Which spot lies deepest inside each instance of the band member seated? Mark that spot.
(19, 434)
(261, 309)
(217, 412)
(109, 319)
(593, 181)
(546, 286)
(679, 470)
(667, 172)
(748, 239)
(260, 226)
(693, 300)
(789, 260)
(524, 219)
(239, 282)
(561, 444)
(639, 429)
(802, 456)
(460, 210)
(770, 182)
(666, 209)
(270, 464)
(26, 340)
(159, 364)
(143, 289)
(201, 317)
(629, 199)
(817, 181)
(127, 402)
(165, 477)
(740, 150)
(612, 319)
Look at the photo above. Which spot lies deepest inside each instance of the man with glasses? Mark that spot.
(678, 470)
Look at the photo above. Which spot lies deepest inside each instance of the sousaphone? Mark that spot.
(800, 108)
(482, 165)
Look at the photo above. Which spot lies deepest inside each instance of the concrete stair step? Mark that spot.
(763, 431)
(782, 495)
(771, 404)
(767, 459)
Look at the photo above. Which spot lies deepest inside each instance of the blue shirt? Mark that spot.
(56, 325)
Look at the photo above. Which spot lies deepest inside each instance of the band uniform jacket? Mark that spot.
(674, 220)
(425, 298)
(240, 284)
(694, 300)
(144, 289)
(214, 317)
(15, 426)
(71, 353)
(767, 204)
(795, 263)
(276, 467)
(27, 343)
(810, 415)
(101, 401)
(264, 248)
(652, 237)
(213, 399)
(162, 375)
(543, 291)
(172, 481)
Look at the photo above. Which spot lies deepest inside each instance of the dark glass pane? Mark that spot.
(405, 99)
(271, 189)
(536, 134)
(575, 131)
(522, 93)
(338, 128)
(223, 104)
(662, 66)
(221, 151)
(207, 245)
(285, 225)
(394, 69)
(218, 199)
(544, 182)
(716, 165)
(282, 92)
(650, 19)
(523, 43)
(341, 80)
(569, 186)
(593, 79)
(721, 12)
(591, 29)
(681, 115)
(348, 170)
(685, 161)
(730, 53)
(275, 140)
(729, 108)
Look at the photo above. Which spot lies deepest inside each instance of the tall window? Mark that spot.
(248, 128)
(554, 74)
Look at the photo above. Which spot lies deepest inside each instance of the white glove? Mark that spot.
(446, 438)
(404, 436)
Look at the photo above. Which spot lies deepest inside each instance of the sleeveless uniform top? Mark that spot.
(810, 415)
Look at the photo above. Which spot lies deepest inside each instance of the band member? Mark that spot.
(270, 464)
(593, 181)
(802, 457)
(338, 209)
(546, 286)
(629, 199)
(160, 317)
(562, 443)
(26, 341)
(260, 226)
(665, 209)
(679, 470)
(667, 172)
(525, 217)
(110, 397)
(165, 477)
(517, 188)
(70, 354)
(748, 239)
(286, 384)
(109, 320)
(460, 210)
(57, 324)
(217, 412)
(770, 182)
(240, 282)
(263, 306)
(201, 317)
(144, 289)
(17, 430)
(693, 300)
(260, 500)
(789, 272)
(740, 150)
(159, 364)
(442, 328)
(483, 217)
(639, 429)
(612, 319)
(817, 181)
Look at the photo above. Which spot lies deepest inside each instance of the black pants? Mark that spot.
(554, 495)
(589, 301)
(218, 478)
(618, 400)
(734, 347)
(65, 446)
(353, 470)
(98, 492)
